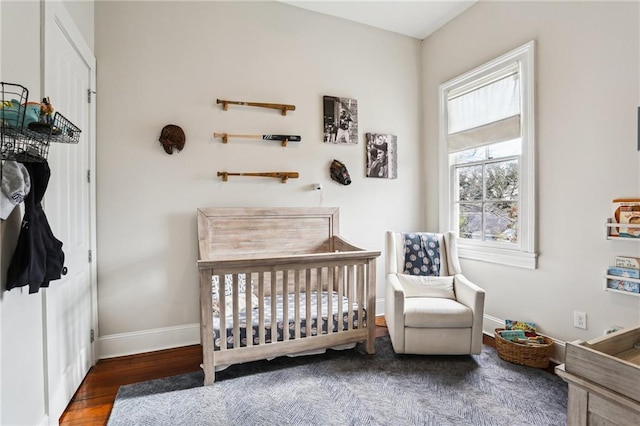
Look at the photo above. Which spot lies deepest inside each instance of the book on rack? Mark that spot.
(630, 215)
(626, 205)
(627, 262)
(623, 285)
(623, 272)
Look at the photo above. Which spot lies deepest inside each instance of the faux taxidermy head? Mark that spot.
(339, 172)
(172, 136)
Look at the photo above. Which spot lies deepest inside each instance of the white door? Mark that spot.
(68, 302)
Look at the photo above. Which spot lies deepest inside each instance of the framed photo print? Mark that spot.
(340, 120)
(382, 157)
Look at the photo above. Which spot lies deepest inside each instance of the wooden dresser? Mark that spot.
(604, 380)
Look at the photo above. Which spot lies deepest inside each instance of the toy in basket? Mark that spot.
(519, 343)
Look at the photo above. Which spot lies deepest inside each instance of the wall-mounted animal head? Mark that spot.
(172, 136)
(339, 173)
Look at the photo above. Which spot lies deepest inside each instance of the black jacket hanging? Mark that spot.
(38, 258)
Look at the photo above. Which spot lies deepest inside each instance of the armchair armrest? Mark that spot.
(468, 293)
(394, 311)
(472, 296)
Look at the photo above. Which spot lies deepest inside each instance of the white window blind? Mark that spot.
(485, 114)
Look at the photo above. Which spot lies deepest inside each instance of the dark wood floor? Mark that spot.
(92, 403)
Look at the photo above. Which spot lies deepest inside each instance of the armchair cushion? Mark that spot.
(436, 313)
(427, 286)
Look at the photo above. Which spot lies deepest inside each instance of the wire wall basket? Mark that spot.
(25, 134)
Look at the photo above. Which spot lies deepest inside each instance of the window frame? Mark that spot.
(523, 254)
(455, 199)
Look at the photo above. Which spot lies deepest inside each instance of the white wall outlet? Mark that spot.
(580, 320)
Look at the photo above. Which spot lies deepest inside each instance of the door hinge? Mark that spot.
(93, 336)
(90, 256)
(88, 176)
(89, 93)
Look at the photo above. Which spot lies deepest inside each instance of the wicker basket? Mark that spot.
(531, 356)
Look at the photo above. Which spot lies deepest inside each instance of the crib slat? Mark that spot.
(235, 296)
(308, 303)
(222, 306)
(341, 275)
(261, 329)
(297, 304)
(248, 292)
(351, 280)
(285, 305)
(319, 300)
(360, 297)
(330, 300)
(274, 308)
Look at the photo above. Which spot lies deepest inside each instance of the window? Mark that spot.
(487, 160)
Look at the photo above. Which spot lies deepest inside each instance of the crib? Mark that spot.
(280, 281)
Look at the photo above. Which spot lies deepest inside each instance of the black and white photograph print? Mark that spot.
(382, 157)
(340, 120)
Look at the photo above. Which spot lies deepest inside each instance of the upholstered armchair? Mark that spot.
(430, 315)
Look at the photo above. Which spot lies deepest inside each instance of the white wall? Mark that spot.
(82, 13)
(167, 62)
(22, 357)
(588, 70)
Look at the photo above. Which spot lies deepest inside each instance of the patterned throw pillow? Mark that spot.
(421, 253)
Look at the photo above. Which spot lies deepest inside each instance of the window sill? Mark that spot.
(519, 259)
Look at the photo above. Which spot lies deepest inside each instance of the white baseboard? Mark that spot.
(113, 345)
(490, 324)
(137, 342)
(379, 307)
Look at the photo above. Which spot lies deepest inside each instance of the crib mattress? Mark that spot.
(311, 329)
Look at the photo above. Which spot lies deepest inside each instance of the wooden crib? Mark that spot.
(292, 285)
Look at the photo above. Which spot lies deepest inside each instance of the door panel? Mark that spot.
(68, 301)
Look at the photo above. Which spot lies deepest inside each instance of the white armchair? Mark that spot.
(423, 315)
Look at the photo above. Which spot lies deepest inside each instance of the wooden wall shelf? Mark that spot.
(283, 176)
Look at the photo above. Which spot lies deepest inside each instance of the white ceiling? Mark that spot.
(417, 18)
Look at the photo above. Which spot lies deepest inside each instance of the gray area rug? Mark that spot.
(352, 388)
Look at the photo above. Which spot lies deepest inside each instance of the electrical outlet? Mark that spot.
(580, 320)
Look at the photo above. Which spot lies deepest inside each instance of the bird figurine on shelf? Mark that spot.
(46, 111)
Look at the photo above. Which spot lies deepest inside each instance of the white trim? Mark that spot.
(136, 342)
(379, 307)
(56, 10)
(525, 254)
(528, 167)
(516, 258)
